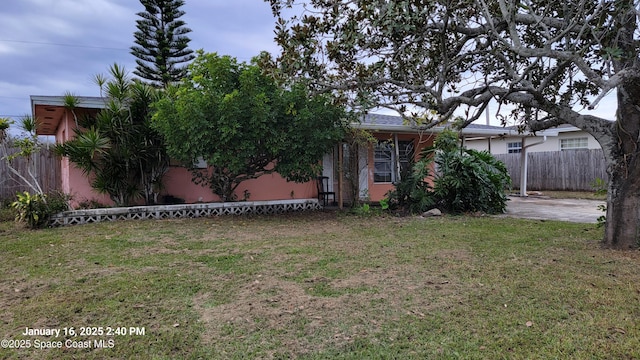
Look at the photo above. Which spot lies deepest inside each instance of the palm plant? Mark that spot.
(4, 125)
(117, 147)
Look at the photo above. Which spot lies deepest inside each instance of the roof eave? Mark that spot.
(385, 128)
(84, 102)
(49, 110)
(438, 129)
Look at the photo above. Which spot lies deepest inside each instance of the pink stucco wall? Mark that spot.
(80, 189)
(73, 181)
(177, 182)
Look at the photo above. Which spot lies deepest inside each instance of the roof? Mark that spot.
(391, 123)
(49, 110)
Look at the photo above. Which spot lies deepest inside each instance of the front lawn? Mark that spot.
(320, 286)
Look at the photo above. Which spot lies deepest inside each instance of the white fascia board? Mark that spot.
(85, 102)
(466, 131)
(385, 128)
(488, 132)
(437, 129)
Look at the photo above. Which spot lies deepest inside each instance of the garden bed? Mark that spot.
(77, 217)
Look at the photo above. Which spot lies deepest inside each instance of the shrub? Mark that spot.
(172, 200)
(7, 213)
(36, 209)
(466, 180)
(471, 181)
(5, 203)
(91, 204)
(413, 193)
(57, 202)
(366, 210)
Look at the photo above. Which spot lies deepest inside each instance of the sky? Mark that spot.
(49, 47)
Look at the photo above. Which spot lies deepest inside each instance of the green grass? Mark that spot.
(324, 286)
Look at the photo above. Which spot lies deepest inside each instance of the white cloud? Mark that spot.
(7, 49)
(10, 89)
(33, 22)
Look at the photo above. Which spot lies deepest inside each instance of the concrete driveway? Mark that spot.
(573, 210)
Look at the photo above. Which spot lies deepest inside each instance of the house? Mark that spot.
(58, 121)
(564, 137)
(368, 169)
(381, 161)
(549, 145)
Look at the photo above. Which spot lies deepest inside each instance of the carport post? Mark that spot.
(523, 170)
(524, 165)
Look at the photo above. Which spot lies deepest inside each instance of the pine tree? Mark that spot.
(161, 42)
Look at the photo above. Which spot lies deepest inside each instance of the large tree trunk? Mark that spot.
(622, 229)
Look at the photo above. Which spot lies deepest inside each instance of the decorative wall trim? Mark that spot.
(77, 217)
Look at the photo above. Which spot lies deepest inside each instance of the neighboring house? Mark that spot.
(368, 172)
(550, 141)
(564, 137)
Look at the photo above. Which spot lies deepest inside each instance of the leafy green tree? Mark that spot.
(118, 147)
(557, 58)
(161, 42)
(244, 125)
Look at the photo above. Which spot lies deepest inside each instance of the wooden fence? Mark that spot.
(573, 170)
(47, 171)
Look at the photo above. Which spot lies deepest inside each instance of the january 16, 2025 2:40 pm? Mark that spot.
(71, 337)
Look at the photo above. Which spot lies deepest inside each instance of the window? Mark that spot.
(385, 161)
(514, 147)
(574, 143)
(405, 150)
(200, 163)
